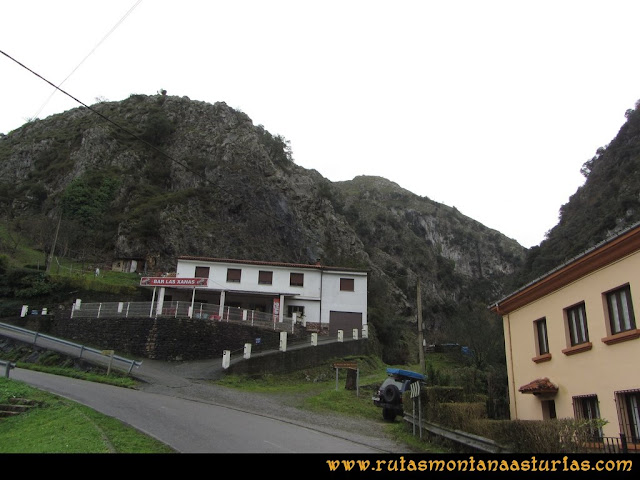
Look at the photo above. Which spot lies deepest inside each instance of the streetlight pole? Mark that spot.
(53, 247)
(420, 335)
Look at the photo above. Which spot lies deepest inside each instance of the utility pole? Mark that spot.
(420, 336)
(53, 247)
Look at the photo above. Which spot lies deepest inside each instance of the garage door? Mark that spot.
(345, 321)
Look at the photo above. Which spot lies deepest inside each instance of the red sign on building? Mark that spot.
(173, 282)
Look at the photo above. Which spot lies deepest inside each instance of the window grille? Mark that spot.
(628, 404)
(586, 407)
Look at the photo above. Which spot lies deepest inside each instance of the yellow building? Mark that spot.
(572, 341)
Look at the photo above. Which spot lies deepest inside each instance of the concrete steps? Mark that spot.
(16, 406)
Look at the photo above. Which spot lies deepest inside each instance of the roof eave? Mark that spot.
(600, 256)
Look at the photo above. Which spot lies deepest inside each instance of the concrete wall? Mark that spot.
(334, 299)
(292, 360)
(175, 339)
(161, 339)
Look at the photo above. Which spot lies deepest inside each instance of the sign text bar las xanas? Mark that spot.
(173, 282)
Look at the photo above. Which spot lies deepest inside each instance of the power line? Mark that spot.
(104, 117)
(160, 151)
(85, 58)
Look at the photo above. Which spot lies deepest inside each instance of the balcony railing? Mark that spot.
(184, 309)
(613, 445)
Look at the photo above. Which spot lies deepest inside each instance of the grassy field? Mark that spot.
(17, 249)
(19, 255)
(58, 425)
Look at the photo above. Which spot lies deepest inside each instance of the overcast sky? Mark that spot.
(489, 106)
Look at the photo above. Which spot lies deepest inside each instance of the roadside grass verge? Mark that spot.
(47, 361)
(114, 378)
(58, 425)
(316, 390)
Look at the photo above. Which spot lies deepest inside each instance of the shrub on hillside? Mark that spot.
(538, 436)
(449, 407)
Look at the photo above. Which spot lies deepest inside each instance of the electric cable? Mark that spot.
(88, 55)
(150, 145)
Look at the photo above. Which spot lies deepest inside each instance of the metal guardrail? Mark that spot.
(603, 445)
(469, 440)
(101, 357)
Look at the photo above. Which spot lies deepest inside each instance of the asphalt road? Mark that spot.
(191, 426)
(177, 404)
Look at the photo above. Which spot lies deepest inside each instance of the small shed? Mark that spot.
(128, 265)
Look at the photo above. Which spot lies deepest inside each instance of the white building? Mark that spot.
(327, 299)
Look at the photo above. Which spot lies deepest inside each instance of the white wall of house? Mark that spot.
(249, 278)
(334, 299)
(319, 295)
(311, 308)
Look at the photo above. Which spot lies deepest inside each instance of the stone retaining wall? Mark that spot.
(177, 339)
(291, 360)
(156, 338)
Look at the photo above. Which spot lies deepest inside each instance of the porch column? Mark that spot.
(281, 313)
(221, 309)
(160, 300)
(193, 299)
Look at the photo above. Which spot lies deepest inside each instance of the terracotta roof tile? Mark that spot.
(317, 265)
(541, 385)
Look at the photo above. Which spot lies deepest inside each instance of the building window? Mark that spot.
(577, 322)
(202, 272)
(346, 284)
(296, 279)
(265, 278)
(548, 410)
(585, 407)
(541, 336)
(628, 403)
(621, 317)
(297, 309)
(233, 275)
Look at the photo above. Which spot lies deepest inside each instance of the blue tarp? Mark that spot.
(406, 373)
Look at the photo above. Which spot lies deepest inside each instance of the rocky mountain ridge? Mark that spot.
(607, 203)
(156, 177)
